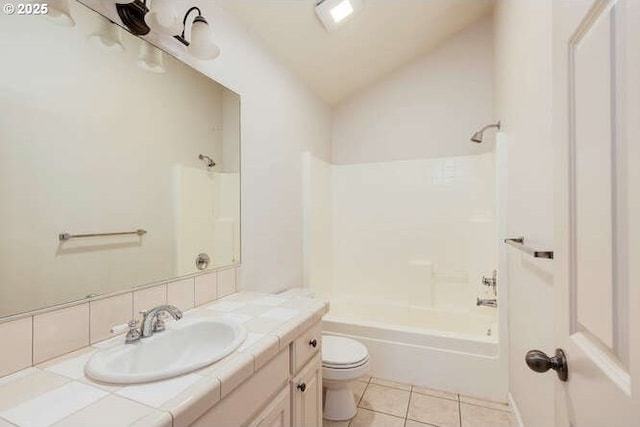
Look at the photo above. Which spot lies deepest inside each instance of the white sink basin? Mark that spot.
(185, 346)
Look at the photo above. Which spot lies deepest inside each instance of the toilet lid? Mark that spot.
(340, 351)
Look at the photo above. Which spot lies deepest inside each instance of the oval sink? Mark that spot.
(184, 346)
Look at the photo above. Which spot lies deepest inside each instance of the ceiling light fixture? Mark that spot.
(334, 13)
(140, 20)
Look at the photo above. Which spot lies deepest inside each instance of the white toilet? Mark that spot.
(343, 360)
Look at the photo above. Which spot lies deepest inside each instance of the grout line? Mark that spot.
(492, 408)
(455, 398)
(406, 413)
(362, 395)
(383, 413)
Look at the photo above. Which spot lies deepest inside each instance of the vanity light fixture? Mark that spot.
(132, 16)
(60, 13)
(151, 59)
(334, 13)
(201, 46)
(108, 36)
(161, 17)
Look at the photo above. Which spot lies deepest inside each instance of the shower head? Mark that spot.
(477, 137)
(208, 160)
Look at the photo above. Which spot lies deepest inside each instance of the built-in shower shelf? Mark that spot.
(518, 243)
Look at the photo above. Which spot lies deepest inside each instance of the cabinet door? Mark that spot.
(277, 413)
(306, 395)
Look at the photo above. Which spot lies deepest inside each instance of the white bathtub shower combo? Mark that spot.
(400, 249)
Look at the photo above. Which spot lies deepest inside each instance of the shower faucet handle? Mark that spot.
(491, 281)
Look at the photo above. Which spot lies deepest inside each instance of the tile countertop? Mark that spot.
(57, 393)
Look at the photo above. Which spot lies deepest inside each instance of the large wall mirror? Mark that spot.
(108, 137)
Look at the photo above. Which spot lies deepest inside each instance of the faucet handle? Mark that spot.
(133, 333)
(118, 329)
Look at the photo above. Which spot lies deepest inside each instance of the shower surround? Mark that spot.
(399, 248)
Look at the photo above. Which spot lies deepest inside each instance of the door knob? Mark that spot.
(302, 387)
(540, 362)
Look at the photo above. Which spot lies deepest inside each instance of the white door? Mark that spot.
(597, 135)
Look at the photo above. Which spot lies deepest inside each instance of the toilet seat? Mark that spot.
(343, 353)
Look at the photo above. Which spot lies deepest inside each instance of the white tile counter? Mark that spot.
(57, 393)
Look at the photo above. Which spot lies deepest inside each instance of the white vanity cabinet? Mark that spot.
(306, 395)
(285, 392)
(277, 413)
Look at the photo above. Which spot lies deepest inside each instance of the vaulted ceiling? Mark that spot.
(381, 38)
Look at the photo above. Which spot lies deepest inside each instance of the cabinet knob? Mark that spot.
(302, 387)
(313, 343)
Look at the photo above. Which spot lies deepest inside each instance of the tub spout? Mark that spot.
(489, 302)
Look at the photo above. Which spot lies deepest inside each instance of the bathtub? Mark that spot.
(456, 351)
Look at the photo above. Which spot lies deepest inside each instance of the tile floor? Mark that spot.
(389, 404)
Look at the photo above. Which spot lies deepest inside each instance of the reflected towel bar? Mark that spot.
(66, 236)
(518, 242)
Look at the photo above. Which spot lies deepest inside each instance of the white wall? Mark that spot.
(429, 108)
(318, 225)
(523, 103)
(280, 119)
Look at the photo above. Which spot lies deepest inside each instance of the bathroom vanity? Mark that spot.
(293, 376)
(273, 379)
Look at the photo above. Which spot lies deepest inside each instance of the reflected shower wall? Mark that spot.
(206, 214)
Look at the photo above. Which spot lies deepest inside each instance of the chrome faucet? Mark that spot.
(152, 319)
(489, 302)
(491, 282)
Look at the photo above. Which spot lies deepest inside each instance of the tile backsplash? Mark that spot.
(40, 336)
(59, 332)
(20, 334)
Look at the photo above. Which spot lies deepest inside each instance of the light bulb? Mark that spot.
(162, 17)
(202, 47)
(108, 36)
(151, 59)
(60, 13)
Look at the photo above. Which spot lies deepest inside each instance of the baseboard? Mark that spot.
(516, 412)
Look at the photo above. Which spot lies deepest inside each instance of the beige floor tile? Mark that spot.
(486, 403)
(328, 423)
(411, 423)
(357, 388)
(434, 410)
(365, 418)
(436, 393)
(477, 416)
(385, 399)
(393, 384)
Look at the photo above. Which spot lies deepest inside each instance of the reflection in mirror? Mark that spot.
(97, 139)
